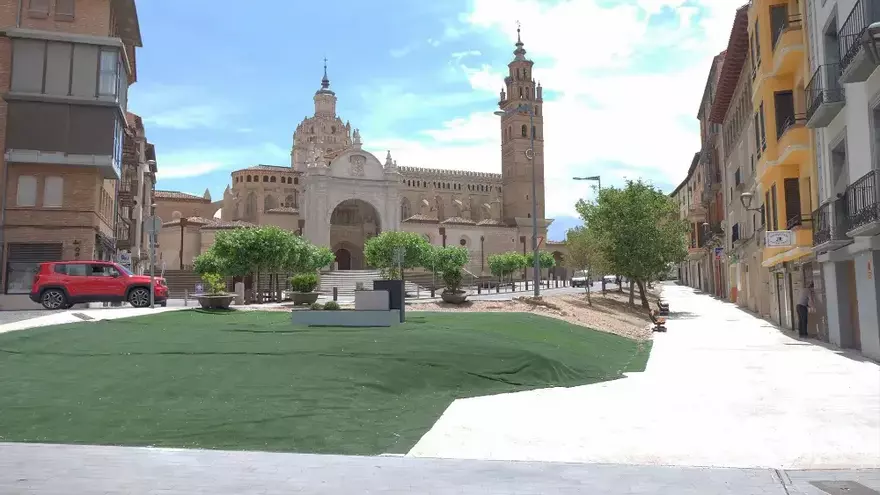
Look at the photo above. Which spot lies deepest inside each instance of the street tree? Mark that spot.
(638, 231)
(379, 252)
(585, 254)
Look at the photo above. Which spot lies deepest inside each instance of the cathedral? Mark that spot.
(337, 194)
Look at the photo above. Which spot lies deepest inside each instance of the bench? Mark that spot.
(663, 307)
(658, 321)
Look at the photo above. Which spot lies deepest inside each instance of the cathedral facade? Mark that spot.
(337, 194)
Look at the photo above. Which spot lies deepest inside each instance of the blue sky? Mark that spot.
(221, 89)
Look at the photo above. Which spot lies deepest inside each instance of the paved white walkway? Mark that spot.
(722, 388)
(69, 316)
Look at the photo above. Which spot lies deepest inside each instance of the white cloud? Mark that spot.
(612, 103)
(189, 117)
(201, 161)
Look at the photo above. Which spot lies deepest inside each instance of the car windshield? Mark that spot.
(580, 274)
(124, 270)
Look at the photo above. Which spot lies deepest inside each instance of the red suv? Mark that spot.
(61, 284)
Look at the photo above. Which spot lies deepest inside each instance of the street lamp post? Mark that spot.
(592, 177)
(530, 154)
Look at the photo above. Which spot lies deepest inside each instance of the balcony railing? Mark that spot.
(796, 221)
(863, 14)
(792, 22)
(830, 222)
(824, 87)
(862, 205)
(789, 122)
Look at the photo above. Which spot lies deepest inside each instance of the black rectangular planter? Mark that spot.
(396, 294)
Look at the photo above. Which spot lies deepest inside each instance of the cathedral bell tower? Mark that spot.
(517, 158)
(325, 98)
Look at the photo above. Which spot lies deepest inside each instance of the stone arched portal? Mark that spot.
(352, 222)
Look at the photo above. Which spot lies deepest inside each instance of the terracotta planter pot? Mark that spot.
(217, 301)
(457, 297)
(304, 297)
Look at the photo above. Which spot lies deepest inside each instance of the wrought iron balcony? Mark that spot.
(862, 205)
(825, 96)
(791, 23)
(789, 122)
(797, 221)
(830, 223)
(856, 64)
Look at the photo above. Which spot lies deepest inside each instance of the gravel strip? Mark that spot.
(610, 313)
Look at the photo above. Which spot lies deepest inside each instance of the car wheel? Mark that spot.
(139, 298)
(53, 299)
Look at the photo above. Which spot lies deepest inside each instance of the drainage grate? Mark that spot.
(83, 316)
(843, 488)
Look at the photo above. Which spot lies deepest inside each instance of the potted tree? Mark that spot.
(379, 252)
(212, 268)
(449, 262)
(305, 259)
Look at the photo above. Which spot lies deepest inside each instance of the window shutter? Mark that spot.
(64, 10)
(38, 9)
(27, 191)
(792, 200)
(53, 191)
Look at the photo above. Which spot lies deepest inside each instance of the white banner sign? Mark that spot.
(779, 238)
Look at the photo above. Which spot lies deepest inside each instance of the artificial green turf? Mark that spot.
(253, 381)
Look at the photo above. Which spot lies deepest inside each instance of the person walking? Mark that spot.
(804, 308)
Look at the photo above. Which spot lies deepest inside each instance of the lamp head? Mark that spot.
(746, 199)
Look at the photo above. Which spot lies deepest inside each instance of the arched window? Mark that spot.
(273, 179)
(289, 201)
(248, 178)
(296, 180)
(265, 178)
(405, 208)
(525, 131)
(269, 203)
(250, 207)
(520, 93)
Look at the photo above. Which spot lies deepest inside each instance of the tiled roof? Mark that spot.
(268, 168)
(179, 196)
(219, 224)
(735, 57)
(283, 209)
(418, 217)
(198, 220)
(458, 221)
(491, 222)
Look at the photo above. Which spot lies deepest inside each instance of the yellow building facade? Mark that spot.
(785, 161)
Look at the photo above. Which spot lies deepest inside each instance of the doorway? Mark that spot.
(343, 259)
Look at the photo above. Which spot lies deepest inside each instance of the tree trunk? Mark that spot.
(631, 294)
(643, 294)
(589, 300)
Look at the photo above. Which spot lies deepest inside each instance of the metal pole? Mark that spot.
(152, 271)
(537, 264)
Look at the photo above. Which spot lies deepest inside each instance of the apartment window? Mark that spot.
(108, 80)
(774, 208)
(784, 103)
(64, 10)
(26, 194)
(757, 134)
(525, 131)
(38, 9)
(53, 192)
(28, 62)
(763, 142)
(792, 193)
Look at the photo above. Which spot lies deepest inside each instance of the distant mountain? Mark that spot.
(560, 227)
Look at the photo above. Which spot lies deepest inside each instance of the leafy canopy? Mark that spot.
(545, 259)
(505, 263)
(448, 262)
(637, 230)
(379, 252)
